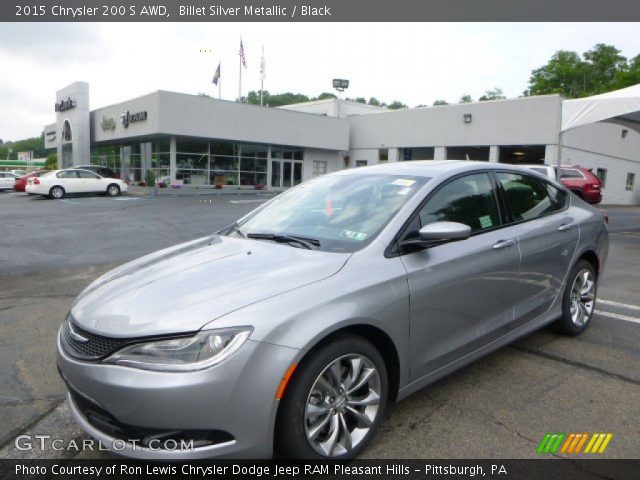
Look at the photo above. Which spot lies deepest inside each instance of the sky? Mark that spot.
(415, 63)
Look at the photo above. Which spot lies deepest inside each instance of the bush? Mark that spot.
(150, 178)
(52, 162)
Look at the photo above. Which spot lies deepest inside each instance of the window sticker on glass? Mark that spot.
(485, 222)
(358, 236)
(403, 182)
(404, 191)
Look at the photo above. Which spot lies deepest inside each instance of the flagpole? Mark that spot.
(262, 76)
(240, 76)
(220, 82)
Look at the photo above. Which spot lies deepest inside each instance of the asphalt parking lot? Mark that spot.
(498, 407)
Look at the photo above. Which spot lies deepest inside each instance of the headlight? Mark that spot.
(203, 350)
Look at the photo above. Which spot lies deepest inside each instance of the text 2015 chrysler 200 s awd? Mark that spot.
(290, 330)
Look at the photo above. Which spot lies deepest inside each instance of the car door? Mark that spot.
(461, 293)
(6, 181)
(548, 237)
(91, 182)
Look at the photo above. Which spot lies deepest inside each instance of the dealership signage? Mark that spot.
(128, 118)
(64, 105)
(108, 123)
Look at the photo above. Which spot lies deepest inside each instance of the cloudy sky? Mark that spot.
(415, 63)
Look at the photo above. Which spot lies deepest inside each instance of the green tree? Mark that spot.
(630, 75)
(396, 105)
(466, 98)
(52, 162)
(605, 62)
(374, 101)
(325, 96)
(440, 102)
(495, 94)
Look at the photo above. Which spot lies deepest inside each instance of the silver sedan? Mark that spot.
(291, 330)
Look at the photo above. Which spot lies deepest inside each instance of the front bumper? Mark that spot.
(236, 397)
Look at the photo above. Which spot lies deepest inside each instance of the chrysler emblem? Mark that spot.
(75, 335)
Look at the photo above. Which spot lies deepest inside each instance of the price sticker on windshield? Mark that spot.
(358, 236)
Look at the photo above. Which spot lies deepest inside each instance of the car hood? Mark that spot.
(182, 288)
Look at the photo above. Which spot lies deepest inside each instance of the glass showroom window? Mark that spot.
(161, 158)
(107, 156)
(383, 155)
(223, 163)
(253, 164)
(192, 160)
(319, 168)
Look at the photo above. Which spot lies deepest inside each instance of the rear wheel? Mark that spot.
(113, 190)
(335, 401)
(56, 192)
(579, 299)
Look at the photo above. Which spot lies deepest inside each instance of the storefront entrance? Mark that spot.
(285, 173)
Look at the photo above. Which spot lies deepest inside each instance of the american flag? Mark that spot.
(242, 57)
(216, 76)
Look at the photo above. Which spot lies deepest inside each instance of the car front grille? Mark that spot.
(84, 345)
(156, 438)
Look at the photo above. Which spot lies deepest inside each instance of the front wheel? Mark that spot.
(579, 299)
(335, 401)
(113, 190)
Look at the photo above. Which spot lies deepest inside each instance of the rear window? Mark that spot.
(527, 197)
(570, 173)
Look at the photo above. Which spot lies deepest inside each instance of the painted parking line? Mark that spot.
(247, 201)
(618, 304)
(617, 316)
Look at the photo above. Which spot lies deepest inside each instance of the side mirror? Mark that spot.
(438, 232)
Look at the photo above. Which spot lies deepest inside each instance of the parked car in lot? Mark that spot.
(7, 180)
(58, 183)
(579, 180)
(105, 172)
(293, 328)
(18, 173)
(21, 182)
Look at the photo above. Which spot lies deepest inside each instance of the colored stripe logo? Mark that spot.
(573, 443)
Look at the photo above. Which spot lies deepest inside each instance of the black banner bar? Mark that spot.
(318, 10)
(548, 469)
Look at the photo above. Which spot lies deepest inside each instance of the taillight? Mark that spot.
(596, 185)
(36, 181)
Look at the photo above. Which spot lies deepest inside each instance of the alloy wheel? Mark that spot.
(57, 192)
(582, 297)
(113, 190)
(342, 405)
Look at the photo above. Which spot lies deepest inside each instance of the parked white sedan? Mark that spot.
(7, 180)
(58, 183)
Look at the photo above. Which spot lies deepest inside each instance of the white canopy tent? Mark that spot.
(620, 106)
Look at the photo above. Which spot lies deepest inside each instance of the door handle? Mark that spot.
(566, 226)
(504, 244)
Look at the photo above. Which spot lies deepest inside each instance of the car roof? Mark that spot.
(430, 168)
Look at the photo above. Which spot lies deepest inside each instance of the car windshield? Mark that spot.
(336, 213)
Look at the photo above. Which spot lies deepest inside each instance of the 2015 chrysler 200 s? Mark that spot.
(292, 329)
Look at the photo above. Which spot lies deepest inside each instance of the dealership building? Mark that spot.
(196, 140)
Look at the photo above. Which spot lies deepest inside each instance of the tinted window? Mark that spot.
(86, 174)
(558, 197)
(469, 200)
(570, 173)
(526, 197)
(67, 174)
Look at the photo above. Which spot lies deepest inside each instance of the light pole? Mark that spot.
(340, 84)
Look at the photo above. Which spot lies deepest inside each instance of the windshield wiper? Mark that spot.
(308, 243)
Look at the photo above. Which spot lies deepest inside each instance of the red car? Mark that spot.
(21, 182)
(582, 182)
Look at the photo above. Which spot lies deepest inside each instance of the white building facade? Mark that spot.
(201, 141)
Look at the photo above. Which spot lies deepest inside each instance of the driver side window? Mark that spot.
(470, 200)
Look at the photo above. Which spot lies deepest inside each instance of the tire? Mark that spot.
(56, 192)
(578, 300)
(301, 434)
(113, 190)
